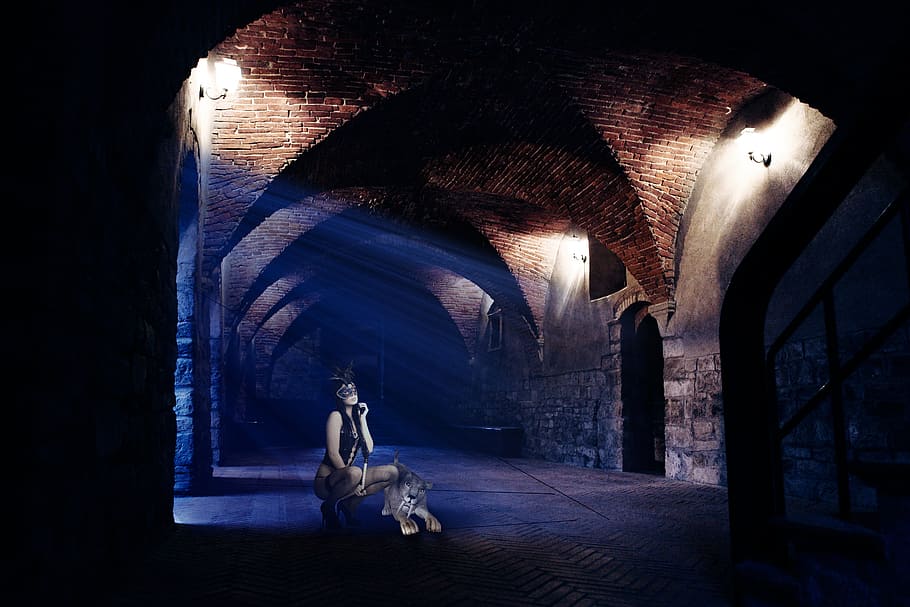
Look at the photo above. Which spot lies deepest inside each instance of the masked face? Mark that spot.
(347, 392)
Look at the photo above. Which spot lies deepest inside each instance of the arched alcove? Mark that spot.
(642, 392)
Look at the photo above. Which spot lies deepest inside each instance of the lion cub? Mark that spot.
(406, 497)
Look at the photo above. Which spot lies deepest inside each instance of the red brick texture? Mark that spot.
(515, 142)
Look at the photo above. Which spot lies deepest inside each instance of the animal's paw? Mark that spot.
(386, 511)
(433, 524)
(408, 527)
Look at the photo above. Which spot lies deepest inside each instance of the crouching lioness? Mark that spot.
(406, 497)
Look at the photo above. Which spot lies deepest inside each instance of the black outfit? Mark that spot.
(347, 444)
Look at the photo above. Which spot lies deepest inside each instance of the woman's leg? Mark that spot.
(379, 477)
(320, 488)
(332, 488)
(344, 485)
(342, 482)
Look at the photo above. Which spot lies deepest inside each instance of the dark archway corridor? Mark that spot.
(173, 307)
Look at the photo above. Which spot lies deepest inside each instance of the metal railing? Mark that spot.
(753, 431)
(838, 371)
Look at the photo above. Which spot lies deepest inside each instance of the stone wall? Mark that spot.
(192, 408)
(576, 417)
(694, 417)
(573, 417)
(570, 418)
(98, 336)
(876, 401)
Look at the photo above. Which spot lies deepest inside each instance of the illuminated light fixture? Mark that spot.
(578, 252)
(225, 79)
(755, 146)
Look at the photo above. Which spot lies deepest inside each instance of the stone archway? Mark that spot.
(642, 392)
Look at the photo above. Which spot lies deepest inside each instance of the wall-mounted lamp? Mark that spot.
(578, 249)
(224, 79)
(755, 146)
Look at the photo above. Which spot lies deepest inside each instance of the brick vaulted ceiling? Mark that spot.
(508, 121)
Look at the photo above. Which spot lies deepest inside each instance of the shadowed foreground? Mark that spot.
(515, 532)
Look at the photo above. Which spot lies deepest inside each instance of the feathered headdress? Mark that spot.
(346, 375)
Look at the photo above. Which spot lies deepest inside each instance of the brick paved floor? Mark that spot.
(515, 532)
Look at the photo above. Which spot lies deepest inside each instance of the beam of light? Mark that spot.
(374, 309)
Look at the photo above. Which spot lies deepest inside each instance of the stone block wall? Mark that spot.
(570, 418)
(192, 407)
(577, 417)
(876, 401)
(216, 399)
(695, 448)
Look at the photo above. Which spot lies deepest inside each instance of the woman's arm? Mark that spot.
(365, 428)
(333, 438)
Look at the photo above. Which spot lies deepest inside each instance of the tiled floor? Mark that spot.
(515, 532)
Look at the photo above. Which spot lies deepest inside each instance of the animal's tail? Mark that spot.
(396, 457)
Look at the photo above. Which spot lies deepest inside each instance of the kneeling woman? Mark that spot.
(338, 482)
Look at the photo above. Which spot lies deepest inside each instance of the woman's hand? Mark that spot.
(363, 410)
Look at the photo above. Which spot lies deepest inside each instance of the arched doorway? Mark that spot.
(642, 392)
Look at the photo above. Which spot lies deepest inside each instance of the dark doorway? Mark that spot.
(642, 392)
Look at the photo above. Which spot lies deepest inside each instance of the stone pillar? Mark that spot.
(216, 365)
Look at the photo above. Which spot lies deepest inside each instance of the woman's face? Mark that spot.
(347, 394)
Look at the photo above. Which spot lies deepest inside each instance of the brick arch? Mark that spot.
(524, 237)
(599, 201)
(410, 254)
(622, 170)
(633, 102)
(308, 67)
(272, 284)
(270, 301)
(630, 297)
(279, 295)
(458, 296)
(265, 314)
(269, 240)
(269, 333)
(389, 146)
(563, 176)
